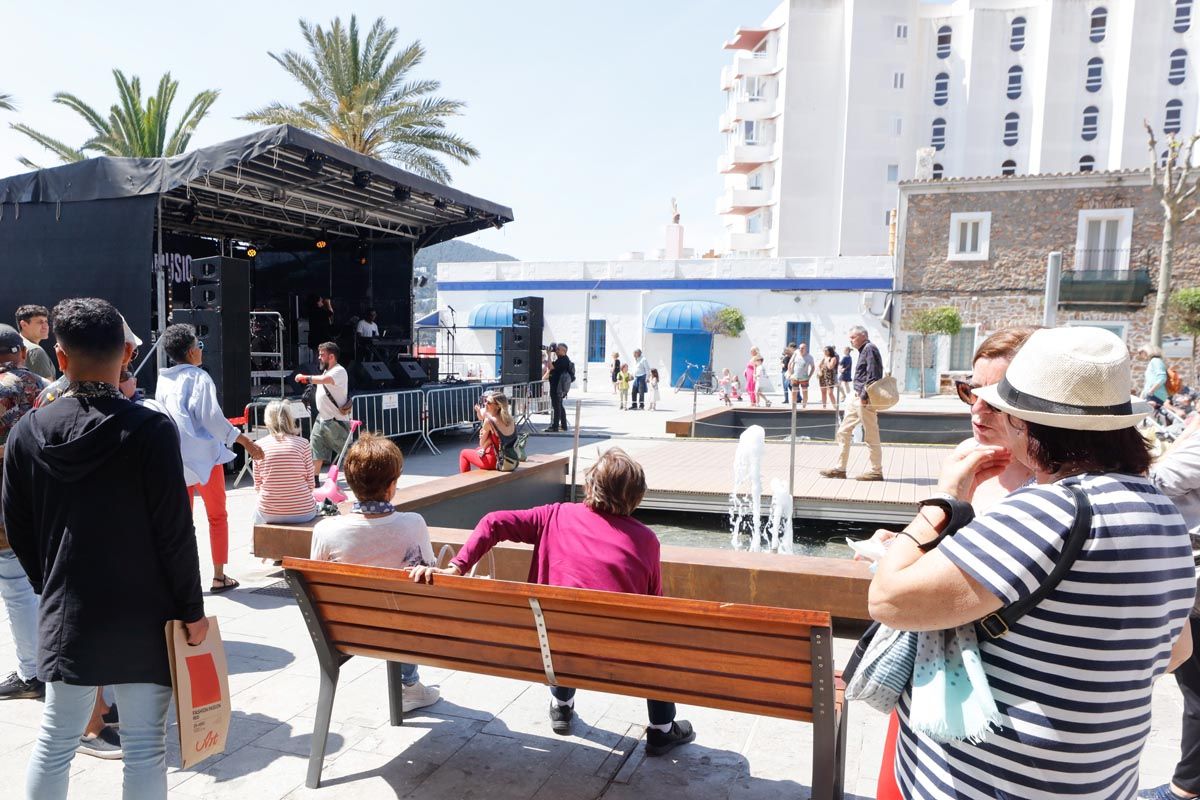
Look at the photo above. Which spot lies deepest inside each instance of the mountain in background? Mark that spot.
(427, 259)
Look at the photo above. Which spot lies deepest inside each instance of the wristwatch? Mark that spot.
(958, 513)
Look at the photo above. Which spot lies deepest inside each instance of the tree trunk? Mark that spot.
(921, 371)
(1164, 279)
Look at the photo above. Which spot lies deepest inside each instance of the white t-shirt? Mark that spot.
(396, 541)
(340, 389)
(367, 330)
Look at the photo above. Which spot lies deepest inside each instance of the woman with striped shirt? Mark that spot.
(283, 478)
(1072, 678)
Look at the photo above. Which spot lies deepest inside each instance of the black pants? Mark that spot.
(639, 392)
(1187, 772)
(558, 417)
(660, 713)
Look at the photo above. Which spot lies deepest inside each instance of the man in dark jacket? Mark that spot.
(96, 509)
(859, 410)
(562, 373)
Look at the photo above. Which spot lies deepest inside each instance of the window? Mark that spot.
(901, 31)
(1091, 123)
(938, 171)
(1173, 120)
(1087, 163)
(798, 332)
(1178, 70)
(1102, 239)
(941, 89)
(755, 181)
(1012, 124)
(893, 173)
(962, 348)
(897, 126)
(1016, 40)
(938, 139)
(754, 89)
(1116, 328)
(969, 236)
(1099, 23)
(754, 223)
(1014, 82)
(887, 218)
(750, 131)
(1095, 74)
(943, 41)
(897, 80)
(1183, 15)
(597, 341)
(1009, 167)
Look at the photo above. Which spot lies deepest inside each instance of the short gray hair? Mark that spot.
(279, 419)
(858, 329)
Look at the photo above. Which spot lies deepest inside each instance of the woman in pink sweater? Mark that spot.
(595, 544)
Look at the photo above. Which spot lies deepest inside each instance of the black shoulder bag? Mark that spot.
(998, 623)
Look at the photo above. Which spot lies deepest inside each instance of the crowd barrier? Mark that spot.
(393, 414)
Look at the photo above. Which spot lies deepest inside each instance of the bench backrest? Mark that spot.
(754, 659)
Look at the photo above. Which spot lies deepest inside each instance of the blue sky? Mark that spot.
(589, 117)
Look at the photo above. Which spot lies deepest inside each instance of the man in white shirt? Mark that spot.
(367, 327)
(332, 425)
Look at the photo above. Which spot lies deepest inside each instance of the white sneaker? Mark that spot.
(419, 696)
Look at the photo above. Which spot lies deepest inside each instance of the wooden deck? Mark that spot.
(697, 475)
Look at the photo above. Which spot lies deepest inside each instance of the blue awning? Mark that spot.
(681, 316)
(491, 315)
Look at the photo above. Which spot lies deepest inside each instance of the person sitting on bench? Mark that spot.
(595, 544)
(378, 535)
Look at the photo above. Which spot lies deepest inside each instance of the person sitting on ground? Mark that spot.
(497, 430)
(283, 478)
(596, 544)
(376, 534)
(205, 435)
(624, 379)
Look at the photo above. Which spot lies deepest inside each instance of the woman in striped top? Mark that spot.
(1072, 679)
(283, 478)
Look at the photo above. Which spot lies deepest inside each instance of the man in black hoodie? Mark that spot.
(96, 509)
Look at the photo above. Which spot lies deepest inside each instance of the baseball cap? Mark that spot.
(10, 340)
(130, 336)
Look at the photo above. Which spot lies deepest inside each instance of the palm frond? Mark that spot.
(65, 152)
(6, 102)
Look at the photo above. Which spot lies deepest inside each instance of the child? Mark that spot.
(735, 388)
(760, 383)
(653, 389)
(624, 381)
(376, 534)
(725, 386)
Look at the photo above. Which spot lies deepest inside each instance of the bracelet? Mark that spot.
(923, 548)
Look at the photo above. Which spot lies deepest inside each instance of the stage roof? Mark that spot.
(276, 185)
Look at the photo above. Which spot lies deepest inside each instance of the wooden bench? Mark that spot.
(752, 659)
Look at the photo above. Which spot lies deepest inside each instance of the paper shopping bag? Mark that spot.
(200, 684)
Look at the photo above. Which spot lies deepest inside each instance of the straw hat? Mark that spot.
(1076, 378)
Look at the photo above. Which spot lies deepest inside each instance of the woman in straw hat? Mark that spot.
(1071, 678)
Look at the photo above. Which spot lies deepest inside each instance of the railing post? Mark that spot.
(1053, 276)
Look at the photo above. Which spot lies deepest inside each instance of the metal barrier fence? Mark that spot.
(453, 406)
(393, 414)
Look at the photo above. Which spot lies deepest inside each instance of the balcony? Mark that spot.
(758, 109)
(1104, 289)
(742, 158)
(739, 242)
(728, 77)
(754, 65)
(743, 201)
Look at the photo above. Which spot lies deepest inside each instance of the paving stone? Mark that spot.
(252, 772)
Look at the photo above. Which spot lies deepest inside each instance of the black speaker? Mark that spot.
(520, 355)
(527, 313)
(409, 374)
(377, 371)
(431, 365)
(226, 355)
(207, 295)
(222, 284)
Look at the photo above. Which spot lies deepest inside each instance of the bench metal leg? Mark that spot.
(826, 753)
(395, 693)
(320, 737)
(839, 765)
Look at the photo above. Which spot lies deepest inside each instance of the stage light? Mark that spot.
(361, 179)
(439, 203)
(251, 252)
(401, 194)
(322, 241)
(315, 162)
(470, 212)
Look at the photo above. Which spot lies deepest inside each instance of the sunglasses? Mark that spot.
(966, 392)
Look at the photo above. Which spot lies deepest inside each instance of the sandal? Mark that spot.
(223, 584)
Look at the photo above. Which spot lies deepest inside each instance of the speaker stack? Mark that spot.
(521, 347)
(221, 317)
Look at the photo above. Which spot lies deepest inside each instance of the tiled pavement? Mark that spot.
(487, 738)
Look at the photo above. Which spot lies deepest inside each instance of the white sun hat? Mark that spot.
(1076, 377)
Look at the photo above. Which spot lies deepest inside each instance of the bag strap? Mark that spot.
(998, 624)
(333, 400)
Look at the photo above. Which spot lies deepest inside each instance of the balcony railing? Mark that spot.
(1104, 288)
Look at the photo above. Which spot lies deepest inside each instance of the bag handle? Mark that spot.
(997, 624)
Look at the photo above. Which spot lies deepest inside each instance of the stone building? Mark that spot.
(981, 245)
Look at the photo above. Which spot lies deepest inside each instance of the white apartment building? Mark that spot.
(829, 101)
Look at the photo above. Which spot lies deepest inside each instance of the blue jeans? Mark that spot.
(284, 519)
(143, 739)
(409, 675)
(639, 392)
(22, 606)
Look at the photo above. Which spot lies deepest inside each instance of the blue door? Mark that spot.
(912, 380)
(689, 348)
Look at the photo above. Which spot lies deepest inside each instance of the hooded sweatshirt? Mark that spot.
(97, 513)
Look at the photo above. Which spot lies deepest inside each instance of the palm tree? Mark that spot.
(132, 129)
(6, 102)
(360, 96)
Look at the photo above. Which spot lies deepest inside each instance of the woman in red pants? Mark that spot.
(496, 431)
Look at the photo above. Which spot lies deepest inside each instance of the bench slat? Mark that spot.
(598, 665)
